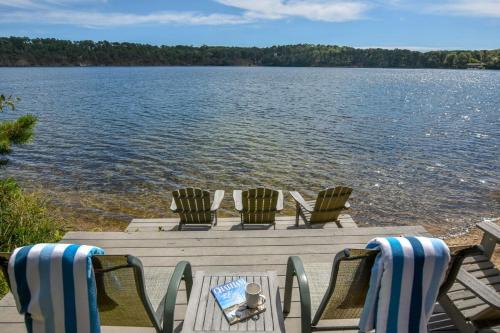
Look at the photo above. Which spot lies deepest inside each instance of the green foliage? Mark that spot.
(24, 219)
(17, 131)
(14, 132)
(21, 51)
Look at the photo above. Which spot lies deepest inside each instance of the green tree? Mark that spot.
(462, 59)
(14, 132)
(450, 60)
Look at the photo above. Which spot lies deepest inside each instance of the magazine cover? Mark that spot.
(231, 299)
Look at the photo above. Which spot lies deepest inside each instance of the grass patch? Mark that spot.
(24, 219)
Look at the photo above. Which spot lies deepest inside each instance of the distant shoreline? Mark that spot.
(26, 52)
(242, 66)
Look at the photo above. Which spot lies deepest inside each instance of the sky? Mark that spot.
(411, 24)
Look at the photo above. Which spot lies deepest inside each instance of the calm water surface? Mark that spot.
(417, 146)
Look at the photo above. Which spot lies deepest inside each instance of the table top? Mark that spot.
(204, 314)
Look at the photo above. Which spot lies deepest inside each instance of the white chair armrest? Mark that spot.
(300, 200)
(218, 196)
(238, 201)
(173, 206)
(279, 204)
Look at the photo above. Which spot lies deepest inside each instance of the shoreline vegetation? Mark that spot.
(25, 218)
(49, 52)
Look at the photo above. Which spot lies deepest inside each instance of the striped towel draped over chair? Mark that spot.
(404, 284)
(54, 287)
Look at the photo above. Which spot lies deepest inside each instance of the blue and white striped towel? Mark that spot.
(404, 284)
(54, 287)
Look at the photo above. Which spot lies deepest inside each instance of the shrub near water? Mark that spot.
(24, 219)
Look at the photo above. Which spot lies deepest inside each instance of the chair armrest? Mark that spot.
(491, 228)
(300, 200)
(296, 268)
(218, 196)
(238, 203)
(491, 237)
(481, 290)
(182, 272)
(173, 206)
(279, 203)
(347, 205)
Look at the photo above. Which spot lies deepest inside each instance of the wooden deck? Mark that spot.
(224, 248)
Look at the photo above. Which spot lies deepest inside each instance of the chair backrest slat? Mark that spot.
(330, 203)
(193, 205)
(259, 205)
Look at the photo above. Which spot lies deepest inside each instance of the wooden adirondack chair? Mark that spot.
(473, 303)
(129, 295)
(258, 206)
(193, 206)
(332, 297)
(326, 208)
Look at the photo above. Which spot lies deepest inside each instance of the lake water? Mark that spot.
(417, 146)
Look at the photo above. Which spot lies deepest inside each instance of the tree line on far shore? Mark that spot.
(23, 51)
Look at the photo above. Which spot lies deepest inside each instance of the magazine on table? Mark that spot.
(231, 299)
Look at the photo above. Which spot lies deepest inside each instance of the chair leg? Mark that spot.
(180, 226)
(297, 214)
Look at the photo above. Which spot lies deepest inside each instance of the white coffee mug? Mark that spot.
(253, 295)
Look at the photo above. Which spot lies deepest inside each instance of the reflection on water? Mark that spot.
(417, 146)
